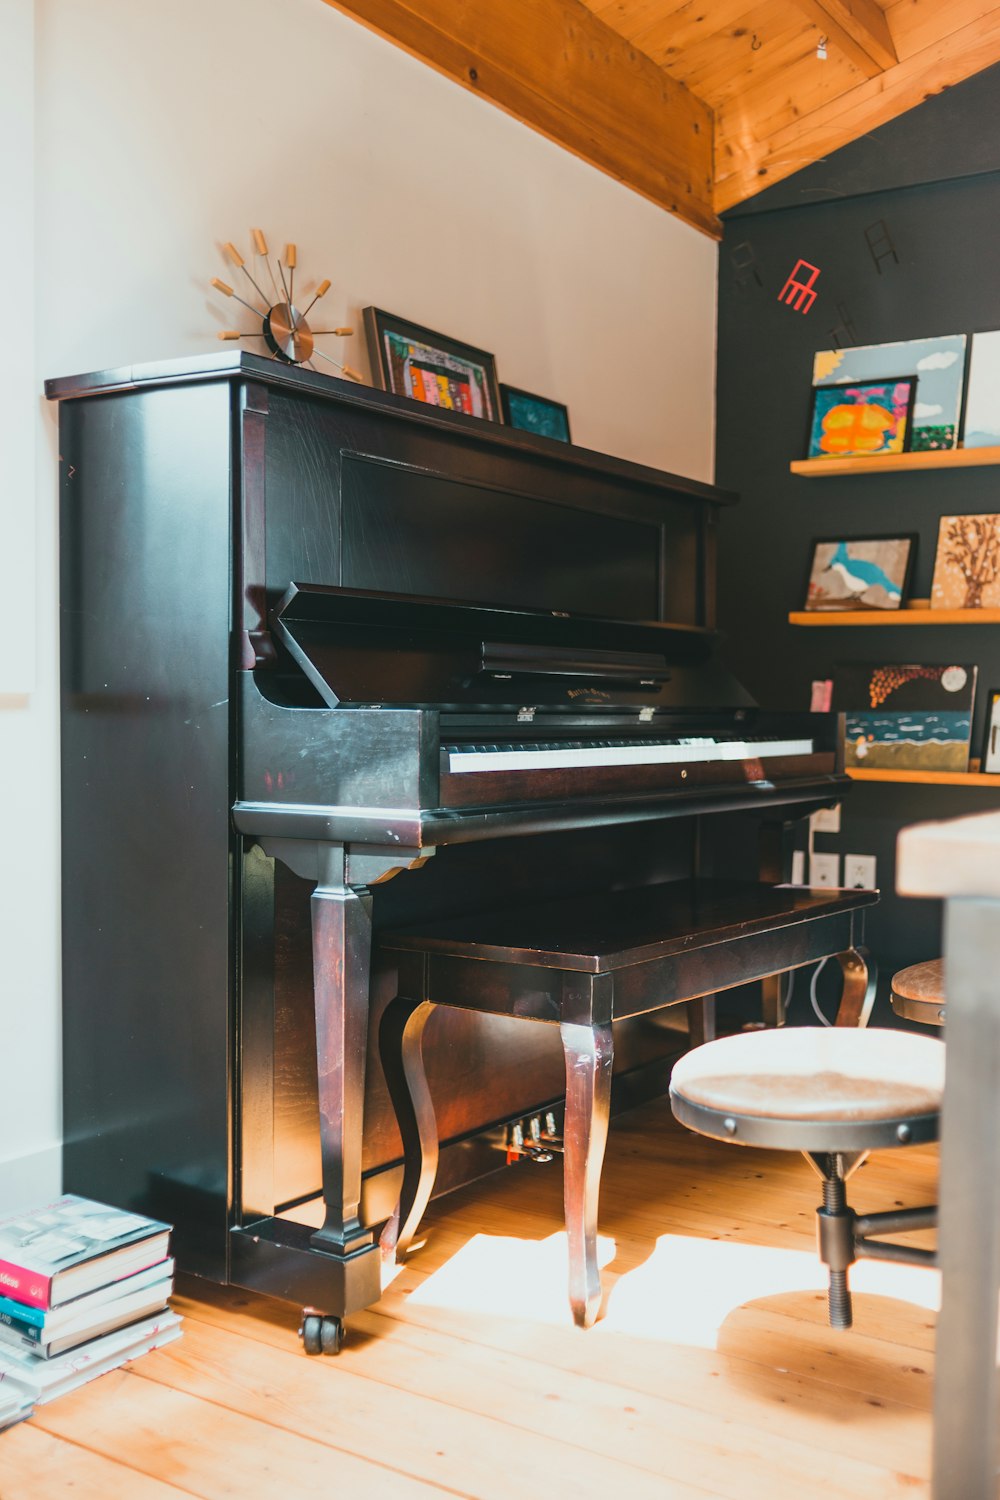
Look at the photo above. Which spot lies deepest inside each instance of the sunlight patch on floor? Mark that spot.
(682, 1293)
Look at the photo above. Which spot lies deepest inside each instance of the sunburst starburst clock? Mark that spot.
(283, 327)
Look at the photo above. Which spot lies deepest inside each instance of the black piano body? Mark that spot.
(333, 661)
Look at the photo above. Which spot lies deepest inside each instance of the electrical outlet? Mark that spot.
(824, 869)
(825, 819)
(798, 867)
(859, 872)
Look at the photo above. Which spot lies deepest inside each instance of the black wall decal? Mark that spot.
(880, 245)
(744, 263)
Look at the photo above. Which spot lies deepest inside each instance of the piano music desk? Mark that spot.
(582, 965)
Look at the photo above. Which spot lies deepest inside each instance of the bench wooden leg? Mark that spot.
(400, 1047)
(701, 1020)
(589, 1053)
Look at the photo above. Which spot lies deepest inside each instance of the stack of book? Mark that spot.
(83, 1288)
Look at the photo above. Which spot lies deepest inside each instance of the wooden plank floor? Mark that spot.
(712, 1373)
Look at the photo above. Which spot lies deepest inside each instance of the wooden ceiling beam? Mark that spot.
(858, 27)
(556, 67)
(750, 158)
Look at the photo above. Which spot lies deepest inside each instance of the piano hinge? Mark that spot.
(645, 714)
(525, 715)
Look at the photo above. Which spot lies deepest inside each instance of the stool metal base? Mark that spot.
(844, 1237)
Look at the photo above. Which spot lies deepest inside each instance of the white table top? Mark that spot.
(958, 857)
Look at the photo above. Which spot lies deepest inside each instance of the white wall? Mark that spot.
(163, 130)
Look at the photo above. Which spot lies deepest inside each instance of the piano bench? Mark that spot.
(834, 1095)
(581, 964)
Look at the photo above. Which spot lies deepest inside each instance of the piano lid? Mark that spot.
(360, 648)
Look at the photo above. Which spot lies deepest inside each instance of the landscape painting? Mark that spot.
(967, 563)
(863, 573)
(906, 717)
(939, 366)
(982, 406)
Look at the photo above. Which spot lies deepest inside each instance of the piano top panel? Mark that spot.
(240, 366)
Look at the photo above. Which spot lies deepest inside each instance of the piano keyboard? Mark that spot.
(541, 756)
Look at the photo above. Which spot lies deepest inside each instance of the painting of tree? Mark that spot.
(967, 565)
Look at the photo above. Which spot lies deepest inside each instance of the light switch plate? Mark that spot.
(859, 872)
(824, 870)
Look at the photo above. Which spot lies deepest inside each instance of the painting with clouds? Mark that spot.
(938, 364)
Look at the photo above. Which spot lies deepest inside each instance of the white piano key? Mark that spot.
(690, 752)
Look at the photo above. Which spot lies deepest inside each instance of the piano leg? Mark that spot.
(341, 940)
(589, 1052)
(400, 1047)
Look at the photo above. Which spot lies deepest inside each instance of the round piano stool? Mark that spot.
(833, 1094)
(918, 993)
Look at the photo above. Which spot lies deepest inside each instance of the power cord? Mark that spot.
(812, 992)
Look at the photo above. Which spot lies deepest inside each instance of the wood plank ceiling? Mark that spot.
(696, 104)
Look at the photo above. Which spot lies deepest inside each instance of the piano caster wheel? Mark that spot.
(321, 1335)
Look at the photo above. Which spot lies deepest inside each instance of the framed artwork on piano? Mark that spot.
(431, 367)
(535, 413)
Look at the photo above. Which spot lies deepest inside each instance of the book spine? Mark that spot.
(23, 1327)
(24, 1285)
(34, 1315)
(12, 1336)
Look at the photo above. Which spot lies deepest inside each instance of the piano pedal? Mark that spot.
(526, 1139)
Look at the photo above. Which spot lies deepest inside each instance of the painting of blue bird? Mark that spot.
(870, 573)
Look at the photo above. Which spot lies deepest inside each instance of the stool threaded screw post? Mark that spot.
(839, 1301)
(835, 1246)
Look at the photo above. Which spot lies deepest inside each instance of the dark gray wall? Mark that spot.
(946, 232)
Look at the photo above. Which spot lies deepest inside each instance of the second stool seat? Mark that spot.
(918, 992)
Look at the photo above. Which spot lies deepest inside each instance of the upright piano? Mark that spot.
(334, 662)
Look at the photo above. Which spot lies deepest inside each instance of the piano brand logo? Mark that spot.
(587, 693)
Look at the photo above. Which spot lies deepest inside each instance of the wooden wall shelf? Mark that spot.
(880, 463)
(928, 778)
(917, 613)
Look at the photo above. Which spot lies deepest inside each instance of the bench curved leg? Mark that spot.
(860, 974)
(400, 1047)
(589, 1053)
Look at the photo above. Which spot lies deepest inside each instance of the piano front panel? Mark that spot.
(356, 500)
(492, 788)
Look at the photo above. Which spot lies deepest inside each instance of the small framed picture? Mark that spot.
(430, 367)
(871, 572)
(967, 563)
(853, 421)
(990, 759)
(534, 413)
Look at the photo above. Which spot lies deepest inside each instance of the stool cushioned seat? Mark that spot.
(918, 993)
(922, 982)
(805, 1073)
